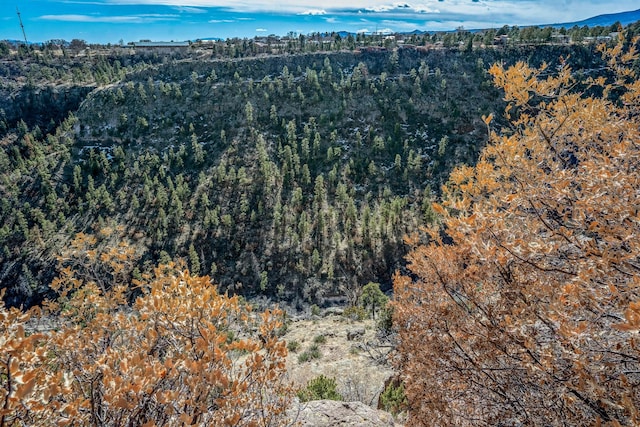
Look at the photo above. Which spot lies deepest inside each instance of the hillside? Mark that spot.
(197, 218)
(294, 177)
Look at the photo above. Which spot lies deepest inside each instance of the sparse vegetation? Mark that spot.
(293, 346)
(356, 312)
(312, 353)
(320, 339)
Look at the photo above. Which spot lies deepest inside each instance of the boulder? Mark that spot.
(331, 413)
(333, 311)
(352, 334)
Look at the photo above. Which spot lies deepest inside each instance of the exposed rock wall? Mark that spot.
(40, 105)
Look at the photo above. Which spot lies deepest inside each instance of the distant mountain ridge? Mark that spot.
(624, 18)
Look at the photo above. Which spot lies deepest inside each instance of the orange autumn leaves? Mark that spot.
(182, 354)
(528, 312)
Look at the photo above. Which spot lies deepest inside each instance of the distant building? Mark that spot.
(501, 40)
(598, 39)
(561, 38)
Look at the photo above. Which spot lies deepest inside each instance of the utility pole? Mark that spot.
(22, 26)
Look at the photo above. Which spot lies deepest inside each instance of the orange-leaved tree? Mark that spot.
(181, 354)
(524, 308)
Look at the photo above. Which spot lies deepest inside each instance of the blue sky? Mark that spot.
(108, 21)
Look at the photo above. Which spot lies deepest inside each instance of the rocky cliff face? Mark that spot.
(45, 106)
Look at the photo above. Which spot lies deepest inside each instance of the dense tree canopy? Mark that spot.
(524, 307)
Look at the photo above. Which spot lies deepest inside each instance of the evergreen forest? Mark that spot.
(293, 176)
(459, 210)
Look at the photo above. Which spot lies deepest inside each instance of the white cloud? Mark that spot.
(381, 8)
(402, 8)
(189, 9)
(221, 21)
(313, 12)
(363, 30)
(486, 12)
(124, 19)
(261, 30)
(425, 9)
(298, 6)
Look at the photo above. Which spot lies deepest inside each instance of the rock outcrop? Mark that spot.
(39, 105)
(331, 413)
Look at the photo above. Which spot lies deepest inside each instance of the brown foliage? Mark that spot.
(182, 354)
(531, 316)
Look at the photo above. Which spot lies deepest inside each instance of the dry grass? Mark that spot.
(358, 375)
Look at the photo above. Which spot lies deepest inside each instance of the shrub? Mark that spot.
(525, 307)
(355, 312)
(320, 339)
(313, 352)
(165, 360)
(293, 346)
(315, 310)
(393, 399)
(303, 357)
(385, 320)
(320, 388)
